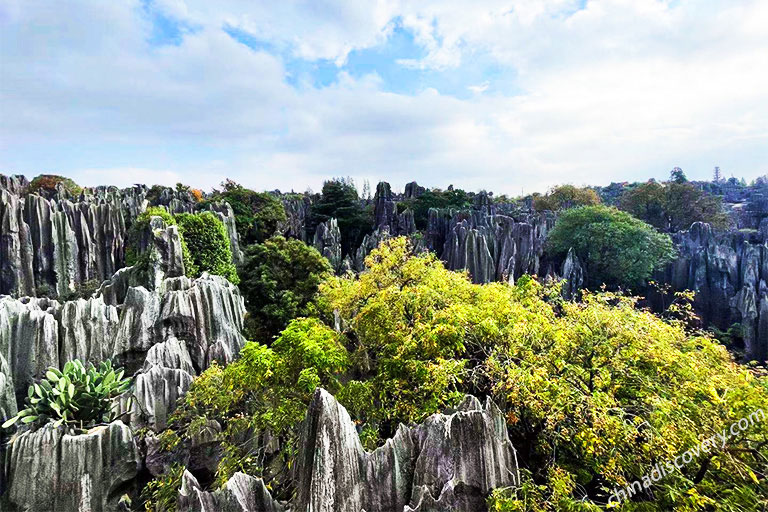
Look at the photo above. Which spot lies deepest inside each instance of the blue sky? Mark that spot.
(505, 95)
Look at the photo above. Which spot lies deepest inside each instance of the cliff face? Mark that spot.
(492, 247)
(728, 271)
(53, 243)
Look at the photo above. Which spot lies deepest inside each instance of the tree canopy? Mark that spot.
(595, 392)
(566, 196)
(673, 206)
(257, 214)
(616, 248)
(278, 280)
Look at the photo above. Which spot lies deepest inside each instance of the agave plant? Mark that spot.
(78, 395)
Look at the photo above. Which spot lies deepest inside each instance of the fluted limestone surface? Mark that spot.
(491, 247)
(297, 210)
(728, 271)
(242, 493)
(384, 206)
(573, 275)
(328, 242)
(50, 471)
(166, 328)
(52, 243)
(451, 462)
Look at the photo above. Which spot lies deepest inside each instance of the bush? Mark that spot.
(76, 396)
(134, 257)
(257, 214)
(49, 182)
(564, 197)
(616, 248)
(208, 242)
(279, 280)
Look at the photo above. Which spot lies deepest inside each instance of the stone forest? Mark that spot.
(349, 350)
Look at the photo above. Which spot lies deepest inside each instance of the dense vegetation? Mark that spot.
(208, 242)
(278, 280)
(565, 196)
(673, 206)
(204, 242)
(257, 214)
(595, 392)
(616, 248)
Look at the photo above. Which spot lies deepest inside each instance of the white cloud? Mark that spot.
(623, 89)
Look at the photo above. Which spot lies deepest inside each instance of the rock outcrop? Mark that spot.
(728, 271)
(451, 462)
(242, 493)
(51, 471)
(167, 329)
(492, 247)
(328, 242)
(52, 244)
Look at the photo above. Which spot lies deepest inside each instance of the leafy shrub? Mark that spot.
(266, 389)
(616, 248)
(564, 197)
(257, 214)
(161, 494)
(278, 280)
(139, 229)
(76, 396)
(49, 182)
(208, 244)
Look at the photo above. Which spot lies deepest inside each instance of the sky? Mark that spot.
(510, 96)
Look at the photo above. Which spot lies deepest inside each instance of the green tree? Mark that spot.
(208, 242)
(278, 280)
(257, 214)
(677, 175)
(566, 196)
(616, 248)
(673, 206)
(686, 204)
(339, 200)
(647, 202)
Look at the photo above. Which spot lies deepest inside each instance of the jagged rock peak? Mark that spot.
(451, 462)
(242, 493)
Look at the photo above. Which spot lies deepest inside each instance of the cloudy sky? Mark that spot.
(499, 94)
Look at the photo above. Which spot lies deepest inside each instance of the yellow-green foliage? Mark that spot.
(595, 393)
(139, 226)
(265, 389)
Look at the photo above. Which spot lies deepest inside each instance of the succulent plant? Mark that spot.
(77, 395)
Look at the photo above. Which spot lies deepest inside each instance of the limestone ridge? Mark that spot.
(728, 271)
(52, 243)
(450, 462)
(163, 327)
